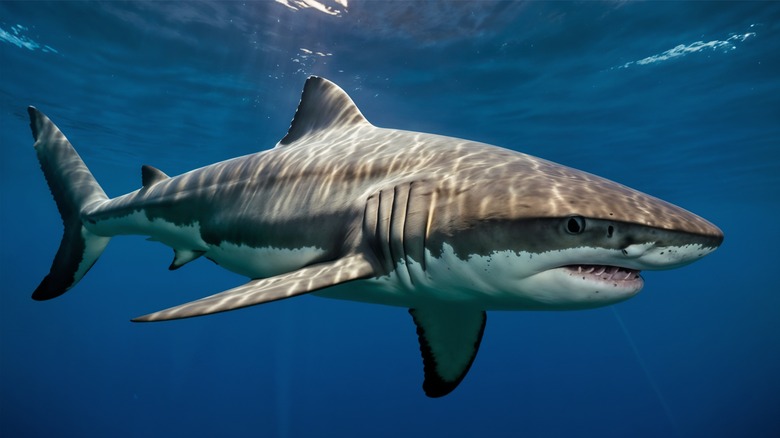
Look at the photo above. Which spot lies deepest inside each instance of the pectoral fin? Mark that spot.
(302, 281)
(449, 340)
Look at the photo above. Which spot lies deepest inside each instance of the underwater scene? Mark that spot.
(367, 187)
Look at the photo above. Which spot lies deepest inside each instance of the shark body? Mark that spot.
(448, 228)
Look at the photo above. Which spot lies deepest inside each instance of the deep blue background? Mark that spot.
(181, 85)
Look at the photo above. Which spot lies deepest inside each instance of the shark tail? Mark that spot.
(75, 191)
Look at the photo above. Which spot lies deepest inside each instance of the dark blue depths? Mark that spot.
(679, 100)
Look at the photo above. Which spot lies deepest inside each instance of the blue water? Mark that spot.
(679, 100)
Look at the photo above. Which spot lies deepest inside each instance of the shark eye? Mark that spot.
(575, 225)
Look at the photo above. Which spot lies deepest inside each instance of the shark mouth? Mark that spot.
(603, 273)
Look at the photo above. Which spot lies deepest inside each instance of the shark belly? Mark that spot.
(137, 222)
(502, 280)
(255, 260)
(262, 262)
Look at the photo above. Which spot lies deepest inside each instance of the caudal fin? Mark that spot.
(74, 190)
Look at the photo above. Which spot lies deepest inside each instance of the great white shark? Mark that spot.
(445, 227)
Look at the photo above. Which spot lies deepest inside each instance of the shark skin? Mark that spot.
(445, 227)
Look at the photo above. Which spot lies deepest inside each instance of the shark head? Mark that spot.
(532, 234)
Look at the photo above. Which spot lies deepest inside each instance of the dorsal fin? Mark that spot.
(324, 105)
(151, 176)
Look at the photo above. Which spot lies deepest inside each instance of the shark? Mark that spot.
(339, 208)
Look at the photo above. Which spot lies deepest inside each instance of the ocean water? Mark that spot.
(679, 100)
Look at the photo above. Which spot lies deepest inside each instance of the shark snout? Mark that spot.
(659, 255)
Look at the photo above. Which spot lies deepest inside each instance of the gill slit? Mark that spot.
(382, 236)
(403, 234)
(428, 224)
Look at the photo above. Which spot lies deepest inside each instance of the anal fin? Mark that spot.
(302, 281)
(183, 256)
(449, 341)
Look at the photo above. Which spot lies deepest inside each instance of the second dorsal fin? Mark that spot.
(151, 175)
(324, 105)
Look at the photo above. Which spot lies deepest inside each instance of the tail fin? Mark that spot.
(74, 189)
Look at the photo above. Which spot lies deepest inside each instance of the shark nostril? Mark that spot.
(610, 230)
(637, 249)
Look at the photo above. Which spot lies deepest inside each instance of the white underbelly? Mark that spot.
(262, 262)
(253, 262)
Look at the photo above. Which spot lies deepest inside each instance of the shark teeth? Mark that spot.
(604, 272)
